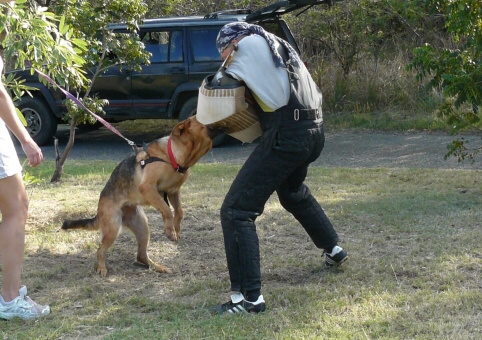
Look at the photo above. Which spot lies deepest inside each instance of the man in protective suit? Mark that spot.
(289, 109)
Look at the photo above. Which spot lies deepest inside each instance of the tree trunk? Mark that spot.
(60, 159)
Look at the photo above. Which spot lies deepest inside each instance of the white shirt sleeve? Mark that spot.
(253, 63)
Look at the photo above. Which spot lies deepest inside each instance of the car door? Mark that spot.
(152, 88)
(114, 85)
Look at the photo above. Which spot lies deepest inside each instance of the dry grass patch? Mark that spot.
(413, 237)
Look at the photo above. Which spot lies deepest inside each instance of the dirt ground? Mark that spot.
(372, 150)
(64, 263)
(342, 149)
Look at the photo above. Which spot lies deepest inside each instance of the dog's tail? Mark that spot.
(85, 223)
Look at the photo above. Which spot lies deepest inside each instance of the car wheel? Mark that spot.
(189, 109)
(41, 123)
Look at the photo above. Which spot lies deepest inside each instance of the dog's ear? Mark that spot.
(181, 127)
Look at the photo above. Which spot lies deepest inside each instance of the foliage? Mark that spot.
(354, 30)
(37, 38)
(92, 20)
(193, 7)
(105, 50)
(33, 37)
(28, 178)
(357, 51)
(457, 71)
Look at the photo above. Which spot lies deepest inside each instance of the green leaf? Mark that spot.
(62, 27)
(21, 117)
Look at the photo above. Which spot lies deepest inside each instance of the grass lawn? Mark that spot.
(413, 236)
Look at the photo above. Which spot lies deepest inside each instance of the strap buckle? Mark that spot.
(296, 114)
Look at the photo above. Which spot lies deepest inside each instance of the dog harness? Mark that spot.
(172, 159)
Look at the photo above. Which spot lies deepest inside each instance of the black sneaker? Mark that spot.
(239, 305)
(336, 257)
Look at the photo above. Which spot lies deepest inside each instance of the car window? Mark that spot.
(273, 27)
(280, 28)
(165, 46)
(204, 44)
(176, 46)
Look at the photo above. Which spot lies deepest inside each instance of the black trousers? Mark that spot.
(279, 163)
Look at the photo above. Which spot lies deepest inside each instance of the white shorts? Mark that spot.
(9, 162)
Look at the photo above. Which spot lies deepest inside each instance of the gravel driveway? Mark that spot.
(342, 149)
(371, 150)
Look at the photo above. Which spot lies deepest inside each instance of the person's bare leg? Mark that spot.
(14, 209)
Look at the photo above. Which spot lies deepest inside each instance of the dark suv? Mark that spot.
(183, 54)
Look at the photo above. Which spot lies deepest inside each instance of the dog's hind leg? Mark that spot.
(110, 220)
(135, 219)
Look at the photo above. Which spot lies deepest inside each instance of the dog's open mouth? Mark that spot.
(216, 131)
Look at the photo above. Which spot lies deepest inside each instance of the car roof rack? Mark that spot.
(216, 15)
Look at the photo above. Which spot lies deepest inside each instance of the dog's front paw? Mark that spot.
(172, 234)
(102, 271)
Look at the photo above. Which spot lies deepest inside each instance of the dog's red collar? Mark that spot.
(172, 159)
(176, 166)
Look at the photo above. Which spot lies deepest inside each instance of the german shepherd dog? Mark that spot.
(151, 177)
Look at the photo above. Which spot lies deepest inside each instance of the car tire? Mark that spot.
(189, 109)
(41, 122)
